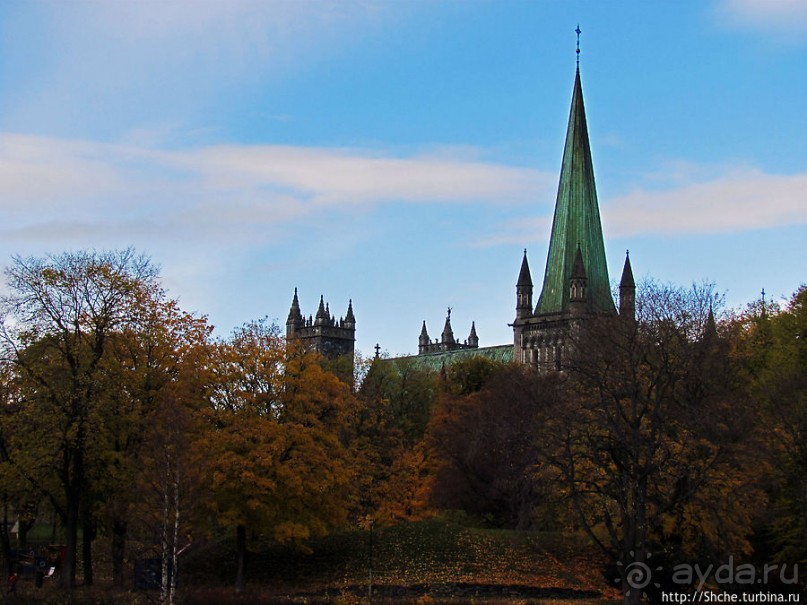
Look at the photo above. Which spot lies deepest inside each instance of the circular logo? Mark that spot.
(637, 575)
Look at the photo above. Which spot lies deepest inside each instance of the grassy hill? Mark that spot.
(438, 558)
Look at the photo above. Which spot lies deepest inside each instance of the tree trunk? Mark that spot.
(175, 538)
(68, 571)
(23, 526)
(87, 535)
(164, 588)
(241, 554)
(5, 540)
(119, 529)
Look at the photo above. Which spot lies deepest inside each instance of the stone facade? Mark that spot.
(323, 332)
(447, 341)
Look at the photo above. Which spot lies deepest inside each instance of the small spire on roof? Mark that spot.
(579, 267)
(350, 318)
(473, 339)
(294, 312)
(627, 280)
(524, 277)
(448, 333)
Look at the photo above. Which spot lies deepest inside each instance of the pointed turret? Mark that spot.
(447, 337)
(350, 319)
(710, 329)
(578, 278)
(322, 316)
(294, 312)
(473, 339)
(295, 319)
(423, 339)
(627, 291)
(576, 219)
(524, 289)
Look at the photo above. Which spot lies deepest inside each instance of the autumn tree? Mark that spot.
(771, 346)
(155, 377)
(649, 441)
(278, 465)
(397, 399)
(482, 441)
(58, 319)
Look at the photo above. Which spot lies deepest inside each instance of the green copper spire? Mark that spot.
(576, 222)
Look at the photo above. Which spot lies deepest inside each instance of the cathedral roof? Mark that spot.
(436, 361)
(576, 220)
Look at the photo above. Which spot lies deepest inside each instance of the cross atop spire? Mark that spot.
(578, 31)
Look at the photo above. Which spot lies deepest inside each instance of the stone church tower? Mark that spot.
(323, 333)
(576, 284)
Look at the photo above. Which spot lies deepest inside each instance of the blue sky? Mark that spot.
(402, 153)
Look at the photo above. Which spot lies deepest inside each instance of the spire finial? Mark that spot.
(577, 52)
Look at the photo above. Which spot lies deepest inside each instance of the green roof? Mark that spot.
(435, 361)
(576, 221)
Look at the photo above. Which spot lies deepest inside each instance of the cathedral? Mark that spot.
(575, 284)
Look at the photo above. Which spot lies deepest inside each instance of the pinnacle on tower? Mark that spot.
(350, 319)
(524, 277)
(579, 267)
(576, 219)
(473, 339)
(423, 339)
(294, 312)
(322, 316)
(627, 291)
(448, 333)
(524, 289)
(578, 279)
(710, 327)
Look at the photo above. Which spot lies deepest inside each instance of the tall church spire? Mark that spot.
(576, 220)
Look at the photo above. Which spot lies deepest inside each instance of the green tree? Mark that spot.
(771, 345)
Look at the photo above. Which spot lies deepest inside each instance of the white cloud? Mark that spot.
(769, 16)
(70, 192)
(120, 189)
(328, 176)
(735, 201)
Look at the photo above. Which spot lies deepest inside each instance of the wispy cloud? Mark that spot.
(46, 182)
(767, 16)
(735, 201)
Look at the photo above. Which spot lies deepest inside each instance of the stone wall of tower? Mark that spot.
(323, 333)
